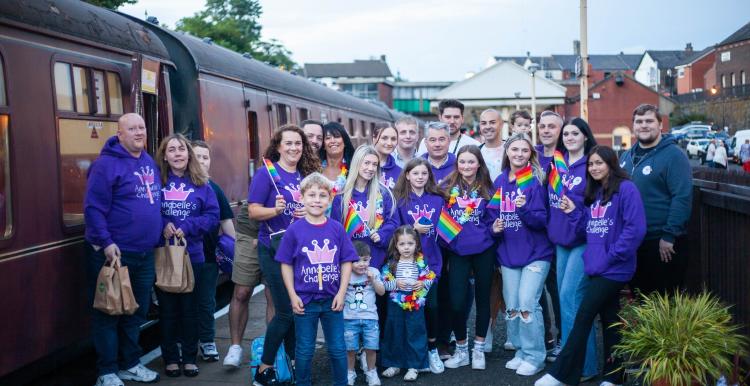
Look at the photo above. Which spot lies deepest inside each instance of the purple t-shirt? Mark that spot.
(316, 252)
(389, 173)
(262, 192)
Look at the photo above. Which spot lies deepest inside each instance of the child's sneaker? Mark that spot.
(411, 375)
(459, 358)
(436, 365)
(548, 380)
(391, 372)
(477, 360)
(372, 377)
(528, 369)
(351, 377)
(266, 378)
(209, 352)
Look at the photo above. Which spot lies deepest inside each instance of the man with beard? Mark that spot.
(314, 132)
(548, 130)
(452, 113)
(490, 126)
(408, 134)
(662, 173)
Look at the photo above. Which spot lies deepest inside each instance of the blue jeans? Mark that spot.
(119, 334)
(206, 291)
(572, 282)
(306, 330)
(178, 322)
(522, 288)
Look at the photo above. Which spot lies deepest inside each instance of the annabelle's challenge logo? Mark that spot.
(599, 223)
(511, 221)
(175, 203)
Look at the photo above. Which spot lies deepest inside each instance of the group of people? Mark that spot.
(389, 245)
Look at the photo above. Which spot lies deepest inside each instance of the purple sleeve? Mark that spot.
(489, 218)
(633, 219)
(97, 205)
(534, 213)
(285, 253)
(209, 217)
(579, 218)
(260, 188)
(389, 224)
(336, 209)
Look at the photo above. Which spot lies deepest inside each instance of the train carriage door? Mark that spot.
(151, 99)
(258, 123)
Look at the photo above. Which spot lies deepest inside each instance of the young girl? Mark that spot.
(470, 251)
(385, 139)
(577, 139)
(418, 203)
(190, 210)
(316, 262)
(408, 278)
(614, 223)
(524, 252)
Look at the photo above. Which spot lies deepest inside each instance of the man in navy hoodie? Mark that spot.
(663, 175)
(123, 220)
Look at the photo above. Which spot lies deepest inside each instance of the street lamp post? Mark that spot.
(533, 68)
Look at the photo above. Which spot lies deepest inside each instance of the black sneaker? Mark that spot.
(266, 378)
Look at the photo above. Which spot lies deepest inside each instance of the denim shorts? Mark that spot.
(361, 330)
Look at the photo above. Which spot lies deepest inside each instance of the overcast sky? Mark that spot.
(440, 40)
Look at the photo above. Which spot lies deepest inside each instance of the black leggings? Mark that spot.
(432, 317)
(281, 326)
(482, 264)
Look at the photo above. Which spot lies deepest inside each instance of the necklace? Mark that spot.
(469, 209)
(338, 185)
(414, 300)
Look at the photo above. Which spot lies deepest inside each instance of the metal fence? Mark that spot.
(741, 91)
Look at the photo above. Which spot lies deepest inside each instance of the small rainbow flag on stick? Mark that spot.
(524, 178)
(447, 227)
(555, 182)
(378, 221)
(496, 199)
(560, 162)
(352, 222)
(273, 173)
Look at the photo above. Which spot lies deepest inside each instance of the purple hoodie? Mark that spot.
(614, 232)
(524, 238)
(559, 229)
(443, 170)
(423, 208)
(316, 251)
(543, 160)
(377, 250)
(262, 192)
(476, 233)
(389, 173)
(193, 209)
(118, 208)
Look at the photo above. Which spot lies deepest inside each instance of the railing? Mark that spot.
(741, 91)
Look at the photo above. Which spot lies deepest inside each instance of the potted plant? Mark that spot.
(679, 340)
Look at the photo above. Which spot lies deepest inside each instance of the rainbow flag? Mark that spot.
(496, 199)
(352, 222)
(560, 162)
(447, 227)
(555, 182)
(524, 178)
(272, 170)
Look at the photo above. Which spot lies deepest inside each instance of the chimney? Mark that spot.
(689, 47)
(577, 47)
(382, 58)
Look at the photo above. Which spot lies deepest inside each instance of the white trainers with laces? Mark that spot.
(109, 380)
(528, 369)
(460, 358)
(436, 365)
(548, 380)
(234, 356)
(513, 363)
(411, 375)
(138, 373)
(607, 383)
(391, 372)
(372, 377)
(477, 360)
(351, 377)
(209, 352)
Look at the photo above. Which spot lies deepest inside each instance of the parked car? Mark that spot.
(697, 132)
(696, 146)
(736, 142)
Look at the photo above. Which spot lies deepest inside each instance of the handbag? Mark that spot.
(225, 253)
(174, 273)
(114, 293)
(276, 240)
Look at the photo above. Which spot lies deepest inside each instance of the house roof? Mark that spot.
(668, 58)
(359, 68)
(603, 62)
(695, 56)
(544, 62)
(741, 34)
(613, 79)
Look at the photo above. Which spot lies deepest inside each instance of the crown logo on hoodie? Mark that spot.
(146, 175)
(362, 212)
(421, 213)
(598, 211)
(179, 194)
(464, 201)
(296, 194)
(387, 182)
(508, 205)
(320, 255)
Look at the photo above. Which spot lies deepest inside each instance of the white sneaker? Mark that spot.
(459, 358)
(209, 352)
(363, 361)
(606, 383)
(411, 375)
(436, 365)
(509, 346)
(109, 380)
(391, 372)
(372, 377)
(488, 340)
(351, 377)
(548, 380)
(513, 363)
(527, 369)
(477, 360)
(234, 356)
(138, 373)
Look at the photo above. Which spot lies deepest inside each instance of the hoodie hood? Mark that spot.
(113, 148)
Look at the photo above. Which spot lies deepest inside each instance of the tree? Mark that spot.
(111, 4)
(234, 24)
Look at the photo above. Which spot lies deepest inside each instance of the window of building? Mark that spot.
(681, 72)
(363, 129)
(115, 93)
(6, 213)
(303, 114)
(3, 98)
(63, 87)
(352, 132)
(361, 90)
(732, 80)
(283, 112)
(723, 81)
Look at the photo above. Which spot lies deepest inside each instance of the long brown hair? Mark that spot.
(393, 254)
(194, 170)
(616, 175)
(308, 162)
(403, 187)
(482, 182)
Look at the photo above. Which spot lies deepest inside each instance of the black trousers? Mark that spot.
(281, 327)
(483, 265)
(602, 297)
(652, 274)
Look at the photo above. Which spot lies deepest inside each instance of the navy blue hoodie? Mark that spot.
(118, 207)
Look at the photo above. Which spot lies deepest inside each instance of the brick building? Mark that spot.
(366, 79)
(733, 59)
(691, 71)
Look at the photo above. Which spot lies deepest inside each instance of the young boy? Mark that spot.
(520, 122)
(361, 314)
(316, 261)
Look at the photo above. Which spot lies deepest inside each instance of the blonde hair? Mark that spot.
(533, 157)
(315, 179)
(197, 175)
(375, 189)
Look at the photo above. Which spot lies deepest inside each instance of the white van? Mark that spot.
(737, 140)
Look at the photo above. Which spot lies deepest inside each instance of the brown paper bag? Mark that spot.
(188, 278)
(174, 273)
(129, 305)
(107, 297)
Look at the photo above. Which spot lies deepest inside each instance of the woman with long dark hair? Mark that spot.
(614, 223)
(336, 154)
(274, 199)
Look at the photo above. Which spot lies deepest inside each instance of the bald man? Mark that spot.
(122, 210)
(491, 128)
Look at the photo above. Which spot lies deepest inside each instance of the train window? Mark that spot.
(99, 93)
(363, 129)
(63, 87)
(81, 87)
(6, 218)
(302, 114)
(323, 117)
(115, 93)
(3, 101)
(284, 113)
(352, 129)
(372, 127)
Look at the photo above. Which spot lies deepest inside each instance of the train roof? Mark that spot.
(85, 21)
(212, 58)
